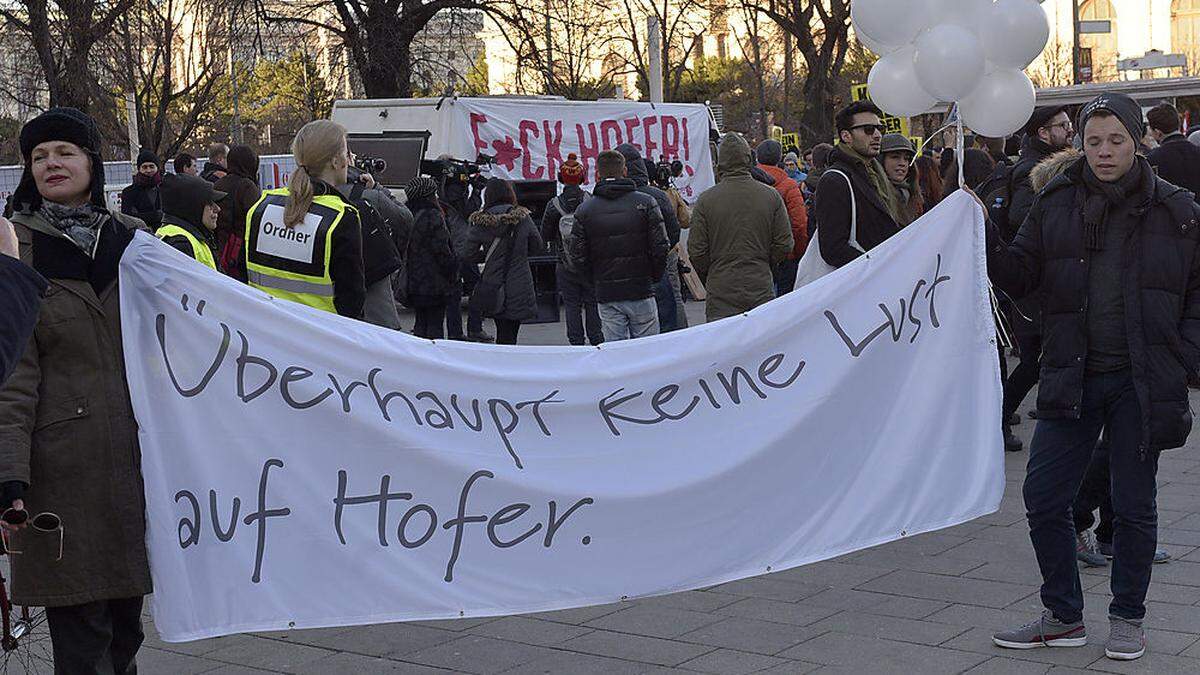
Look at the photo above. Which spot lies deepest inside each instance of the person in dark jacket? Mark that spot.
(860, 133)
(502, 236)
(1116, 249)
(185, 164)
(668, 293)
(579, 299)
(71, 377)
(21, 291)
(461, 196)
(1047, 132)
(381, 257)
(141, 199)
(214, 166)
(1175, 159)
(431, 266)
(240, 185)
(190, 204)
(620, 243)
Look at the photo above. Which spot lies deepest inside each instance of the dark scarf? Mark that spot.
(1104, 198)
(81, 224)
(142, 180)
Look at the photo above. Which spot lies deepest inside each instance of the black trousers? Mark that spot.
(430, 322)
(506, 331)
(97, 638)
(1023, 378)
(579, 305)
(1094, 493)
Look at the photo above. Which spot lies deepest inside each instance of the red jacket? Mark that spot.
(793, 199)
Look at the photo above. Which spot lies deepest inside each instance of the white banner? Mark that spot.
(531, 141)
(306, 470)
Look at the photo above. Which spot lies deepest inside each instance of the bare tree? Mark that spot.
(760, 46)
(820, 29)
(562, 47)
(1055, 67)
(680, 22)
(378, 34)
(63, 34)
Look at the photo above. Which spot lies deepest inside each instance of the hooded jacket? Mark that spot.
(619, 242)
(793, 199)
(431, 266)
(500, 268)
(635, 169)
(241, 189)
(740, 232)
(1161, 289)
(833, 212)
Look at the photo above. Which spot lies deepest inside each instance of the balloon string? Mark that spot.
(958, 151)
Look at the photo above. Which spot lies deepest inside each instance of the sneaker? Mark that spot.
(1045, 631)
(1106, 550)
(1126, 639)
(481, 336)
(1087, 551)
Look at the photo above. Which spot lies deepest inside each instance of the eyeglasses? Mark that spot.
(44, 522)
(871, 129)
(1065, 126)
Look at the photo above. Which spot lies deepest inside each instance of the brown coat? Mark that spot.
(67, 429)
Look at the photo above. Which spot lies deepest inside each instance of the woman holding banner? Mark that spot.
(68, 441)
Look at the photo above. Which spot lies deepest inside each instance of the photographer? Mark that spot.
(460, 193)
(385, 226)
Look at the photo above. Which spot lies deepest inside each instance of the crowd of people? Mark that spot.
(1092, 245)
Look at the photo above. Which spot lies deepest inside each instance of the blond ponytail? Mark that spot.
(314, 148)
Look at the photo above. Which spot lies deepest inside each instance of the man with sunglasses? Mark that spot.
(855, 173)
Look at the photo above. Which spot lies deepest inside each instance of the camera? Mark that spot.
(665, 172)
(458, 170)
(371, 165)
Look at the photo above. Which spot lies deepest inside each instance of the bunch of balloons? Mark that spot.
(970, 52)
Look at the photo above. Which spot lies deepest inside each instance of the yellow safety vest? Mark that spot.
(200, 250)
(292, 263)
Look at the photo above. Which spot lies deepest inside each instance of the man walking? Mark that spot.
(855, 173)
(619, 242)
(740, 232)
(1175, 159)
(1116, 250)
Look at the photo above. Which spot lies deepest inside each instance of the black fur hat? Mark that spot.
(59, 124)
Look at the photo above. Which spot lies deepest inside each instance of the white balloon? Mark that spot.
(873, 44)
(963, 13)
(949, 62)
(894, 88)
(1000, 105)
(889, 23)
(1013, 32)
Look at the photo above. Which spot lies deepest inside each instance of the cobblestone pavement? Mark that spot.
(926, 604)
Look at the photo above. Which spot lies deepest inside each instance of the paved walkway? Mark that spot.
(926, 604)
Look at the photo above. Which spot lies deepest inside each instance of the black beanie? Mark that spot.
(59, 124)
(147, 157)
(1123, 107)
(419, 188)
(185, 197)
(1041, 116)
(770, 152)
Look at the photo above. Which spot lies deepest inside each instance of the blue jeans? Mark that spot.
(628, 319)
(1058, 458)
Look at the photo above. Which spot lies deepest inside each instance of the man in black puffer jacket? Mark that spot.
(1115, 250)
(620, 243)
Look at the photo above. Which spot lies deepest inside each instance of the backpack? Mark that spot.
(566, 230)
(380, 256)
(996, 194)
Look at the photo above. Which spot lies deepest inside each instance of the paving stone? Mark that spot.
(774, 589)
(636, 648)
(730, 662)
(230, 669)
(839, 649)
(477, 654)
(581, 664)
(943, 563)
(580, 615)
(199, 647)
(695, 601)
(890, 628)
(1151, 663)
(150, 660)
(832, 574)
(908, 608)
(979, 641)
(1014, 573)
(949, 589)
(654, 622)
(367, 665)
(530, 631)
(459, 625)
(268, 654)
(1005, 666)
(390, 639)
(838, 598)
(792, 668)
(774, 611)
(1170, 617)
(750, 635)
